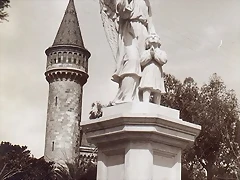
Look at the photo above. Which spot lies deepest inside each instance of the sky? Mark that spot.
(199, 37)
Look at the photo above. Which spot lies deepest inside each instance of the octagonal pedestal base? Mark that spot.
(139, 141)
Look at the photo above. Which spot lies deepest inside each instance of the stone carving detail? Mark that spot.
(127, 24)
(65, 75)
(152, 60)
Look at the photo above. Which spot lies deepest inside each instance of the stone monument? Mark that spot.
(136, 139)
(127, 24)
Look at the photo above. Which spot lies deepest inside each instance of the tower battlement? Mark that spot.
(67, 56)
(67, 62)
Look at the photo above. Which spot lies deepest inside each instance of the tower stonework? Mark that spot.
(66, 73)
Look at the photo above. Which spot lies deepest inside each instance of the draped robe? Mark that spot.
(134, 27)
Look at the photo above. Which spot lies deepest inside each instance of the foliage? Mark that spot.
(78, 170)
(16, 162)
(3, 5)
(215, 153)
(216, 150)
(96, 111)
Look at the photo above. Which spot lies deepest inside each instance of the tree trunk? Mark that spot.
(210, 176)
(210, 173)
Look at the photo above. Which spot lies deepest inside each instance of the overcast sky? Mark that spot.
(190, 30)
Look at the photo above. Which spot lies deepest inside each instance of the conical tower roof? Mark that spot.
(69, 32)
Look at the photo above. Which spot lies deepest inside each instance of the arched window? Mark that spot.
(54, 56)
(74, 58)
(69, 57)
(59, 57)
(64, 56)
(78, 59)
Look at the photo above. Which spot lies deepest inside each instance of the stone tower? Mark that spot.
(66, 73)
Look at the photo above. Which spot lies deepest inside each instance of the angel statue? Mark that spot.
(127, 23)
(152, 60)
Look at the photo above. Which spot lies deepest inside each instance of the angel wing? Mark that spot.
(109, 20)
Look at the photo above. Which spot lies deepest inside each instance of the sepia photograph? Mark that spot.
(119, 90)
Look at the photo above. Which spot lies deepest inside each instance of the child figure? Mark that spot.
(152, 60)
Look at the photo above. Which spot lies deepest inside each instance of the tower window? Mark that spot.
(74, 58)
(69, 57)
(53, 146)
(54, 56)
(64, 56)
(56, 101)
(71, 109)
(59, 57)
(67, 91)
(81, 63)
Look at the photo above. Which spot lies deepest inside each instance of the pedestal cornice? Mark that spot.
(144, 126)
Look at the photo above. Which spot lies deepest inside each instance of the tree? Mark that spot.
(215, 108)
(3, 5)
(215, 153)
(16, 162)
(79, 170)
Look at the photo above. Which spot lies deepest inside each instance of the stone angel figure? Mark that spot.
(152, 60)
(127, 23)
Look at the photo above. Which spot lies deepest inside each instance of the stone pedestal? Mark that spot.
(139, 141)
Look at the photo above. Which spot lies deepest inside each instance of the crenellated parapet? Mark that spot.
(66, 74)
(67, 63)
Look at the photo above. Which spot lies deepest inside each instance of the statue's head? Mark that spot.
(153, 40)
